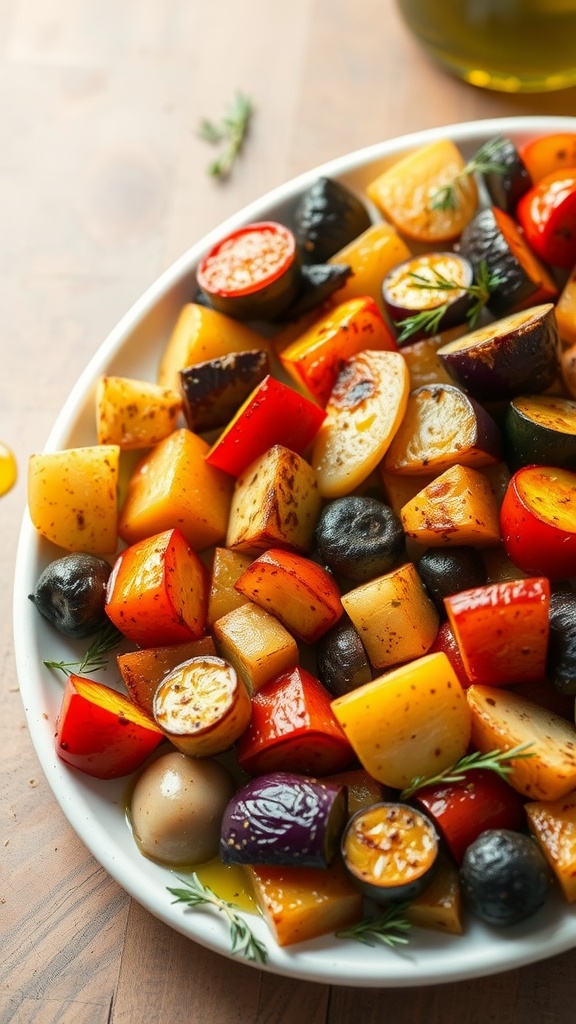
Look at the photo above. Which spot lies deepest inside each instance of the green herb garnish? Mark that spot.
(494, 760)
(429, 320)
(96, 655)
(230, 132)
(484, 161)
(387, 929)
(243, 942)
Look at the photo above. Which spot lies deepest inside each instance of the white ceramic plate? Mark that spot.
(96, 809)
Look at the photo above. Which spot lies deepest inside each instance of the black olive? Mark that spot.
(359, 537)
(446, 571)
(328, 217)
(504, 877)
(342, 662)
(71, 593)
(561, 660)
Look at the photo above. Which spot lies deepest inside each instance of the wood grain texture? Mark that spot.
(102, 185)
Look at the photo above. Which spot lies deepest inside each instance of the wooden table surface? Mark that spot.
(102, 185)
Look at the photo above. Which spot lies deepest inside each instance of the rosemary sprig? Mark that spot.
(387, 929)
(231, 131)
(484, 161)
(429, 320)
(95, 656)
(242, 940)
(493, 760)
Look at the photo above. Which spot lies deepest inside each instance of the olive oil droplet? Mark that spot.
(7, 469)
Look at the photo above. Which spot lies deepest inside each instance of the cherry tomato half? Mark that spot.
(547, 214)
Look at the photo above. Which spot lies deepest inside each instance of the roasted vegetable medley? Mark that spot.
(336, 594)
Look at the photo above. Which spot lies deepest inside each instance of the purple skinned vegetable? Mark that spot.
(283, 818)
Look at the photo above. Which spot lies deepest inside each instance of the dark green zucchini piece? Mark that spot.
(214, 390)
(446, 571)
(342, 662)
(283, 818)
(318, 281)
(493, 240)
(506, 178)
(504, 877)
(390, 851)
(328, 217)
(561, 658)
(540, 429)
(359, 537)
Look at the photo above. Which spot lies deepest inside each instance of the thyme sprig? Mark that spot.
(96, 655)
(231, 132)
(484, 161)
(242, 940)
(497, 761)
(429, 320)
(388, 929)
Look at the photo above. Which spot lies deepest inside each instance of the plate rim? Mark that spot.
(312, 961)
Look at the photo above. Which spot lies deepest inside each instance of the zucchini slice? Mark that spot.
(390, 851)
(202, 706)
(540, 429)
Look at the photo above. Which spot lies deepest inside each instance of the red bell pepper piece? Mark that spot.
(538, 521)
(273, 414)
(502, 630)
(293, 728)
(446, 643)
(101, 732)
(157, 592)
(462, 810)
(547, 214)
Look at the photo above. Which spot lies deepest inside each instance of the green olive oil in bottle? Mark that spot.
(509, 45)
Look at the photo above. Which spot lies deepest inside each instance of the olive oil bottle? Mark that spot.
(509, 45)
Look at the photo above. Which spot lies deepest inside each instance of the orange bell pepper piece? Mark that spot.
(158, 591)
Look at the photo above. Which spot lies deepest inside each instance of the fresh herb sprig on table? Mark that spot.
(388, 929)
(497, 761)
(231, 132)
(242, 940)
(428, 320)
(96, 655)
(484, 161)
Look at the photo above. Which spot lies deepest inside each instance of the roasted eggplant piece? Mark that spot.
(328, 216)
(518, 354)
(518, 278)
(214, 390)
(540, 429)
(561, 659)
(390, 851)
(428, 293)
(283, 818)
(507, 178)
